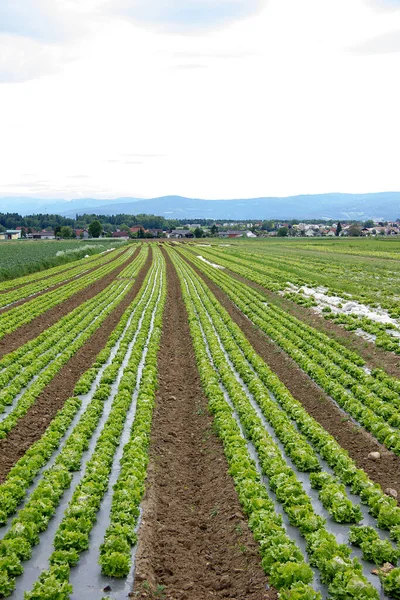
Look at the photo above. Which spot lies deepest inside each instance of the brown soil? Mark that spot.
(356, 440)
(29, 331)
(53, 287)
(194, 540)
(32, 426)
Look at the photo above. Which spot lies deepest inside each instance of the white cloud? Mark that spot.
(22, 59)
(282, 106)
(384, 43)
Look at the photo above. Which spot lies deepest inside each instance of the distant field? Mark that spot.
(27, 256)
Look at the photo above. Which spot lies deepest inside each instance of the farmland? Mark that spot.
(211, 419)
(28, 256)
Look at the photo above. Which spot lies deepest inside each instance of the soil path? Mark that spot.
(194, 542)
(356, 440)
(32, 426)
(29, 331)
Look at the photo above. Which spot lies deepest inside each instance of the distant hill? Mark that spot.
(383, 205)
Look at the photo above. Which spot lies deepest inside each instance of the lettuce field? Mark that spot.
(203, 419)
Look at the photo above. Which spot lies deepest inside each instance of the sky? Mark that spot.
(202, 98)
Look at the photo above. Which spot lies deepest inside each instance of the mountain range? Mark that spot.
(379, 206)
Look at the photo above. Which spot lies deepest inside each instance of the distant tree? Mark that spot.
(23, 232)
(268, 225)
(214, 229)
(95, 229)
(198, 232)
(369, 224)
(73, 234)
(57, 230)
(355, 230)
(140, 233)
(124, 227)
(81, 235)
(338, 228)
(66, 232)
(282, 231)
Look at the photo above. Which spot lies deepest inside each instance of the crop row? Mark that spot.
(40, 372)
(257, 375)
(297, 340)
(27, 360)
(336, 568)
(22, 474)
(26, 312)
(29, 250)
(42, 504)
(277, 273)
(371, 282)
(28, 290)
(73, 534)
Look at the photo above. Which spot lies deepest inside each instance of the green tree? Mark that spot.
(95, 229)
(57, 230)
(338, 228)
(282, 231)
(198, 232)
(268, 225)
(369, 223)
(214, 229)
(66, 232)
(355, 230)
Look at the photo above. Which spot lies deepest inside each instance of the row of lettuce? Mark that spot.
(371, 282)
(46, 281)
(73, 534)
(50, 482)
(225, 356)
(373, 402)
(25, 372)
(24, 313)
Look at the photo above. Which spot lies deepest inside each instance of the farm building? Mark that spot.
(10, 234)
(180, 233)
(42, 235)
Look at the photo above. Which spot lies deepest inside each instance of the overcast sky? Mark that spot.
(203, 98)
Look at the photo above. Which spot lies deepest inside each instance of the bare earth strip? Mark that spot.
(31, 427)
(356, 440)
(18, 338)
(194, 539)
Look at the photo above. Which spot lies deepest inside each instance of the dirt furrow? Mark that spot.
(356, 440)
(31, 427)
(29, 331)
(194, 542)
